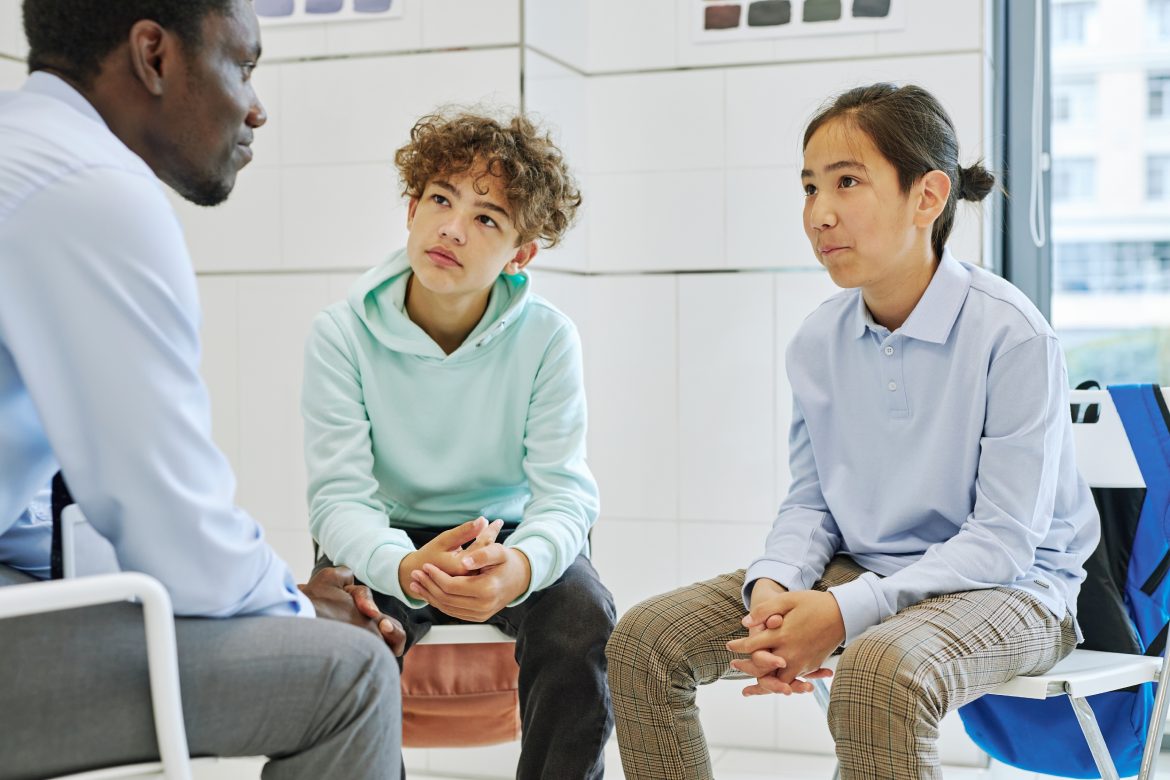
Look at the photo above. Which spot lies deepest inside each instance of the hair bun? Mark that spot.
(975, 182)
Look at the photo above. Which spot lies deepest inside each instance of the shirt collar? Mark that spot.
(43, 83)
(937, 309)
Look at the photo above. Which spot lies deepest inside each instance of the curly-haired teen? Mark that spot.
(936, 526)
(443, 393)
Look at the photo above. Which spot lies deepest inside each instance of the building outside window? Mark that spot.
(1070, 22)
(1158, 91)
(1158, 20)
(1110, 292)
(1158, 177)
(1074, 180)
(1074, 100)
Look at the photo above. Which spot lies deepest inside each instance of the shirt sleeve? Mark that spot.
(564, 503)
(1015, 493)
(804, 535)
(345, 515)
(100, 312)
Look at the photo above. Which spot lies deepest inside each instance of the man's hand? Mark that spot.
(789, 637)
(446, 551)
(336, 596)
(504, 573)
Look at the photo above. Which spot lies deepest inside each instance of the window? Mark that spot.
(1109, 286)
(1158, 20)
(1074, 101)
(1070, 22)
(1158, 90)
(1113, 267)
(1158, 177)
(1074, 180)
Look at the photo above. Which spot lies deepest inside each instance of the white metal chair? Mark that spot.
(40, 597)
(1105, 460)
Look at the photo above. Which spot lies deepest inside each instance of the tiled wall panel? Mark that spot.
(12, 74)
(727, 470)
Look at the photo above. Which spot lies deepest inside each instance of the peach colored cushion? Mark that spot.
(460, 695)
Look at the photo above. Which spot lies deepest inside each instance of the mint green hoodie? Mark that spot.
(400, 435)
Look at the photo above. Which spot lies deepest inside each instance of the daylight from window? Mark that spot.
(1111, 188)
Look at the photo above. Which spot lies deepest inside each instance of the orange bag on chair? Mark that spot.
(460, 695)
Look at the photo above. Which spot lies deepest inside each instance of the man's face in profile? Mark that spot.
(210, 122)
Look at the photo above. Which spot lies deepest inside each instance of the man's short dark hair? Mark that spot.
(74, 36)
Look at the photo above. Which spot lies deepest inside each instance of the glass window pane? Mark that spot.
(1110, 190)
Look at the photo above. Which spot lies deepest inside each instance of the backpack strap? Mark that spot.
(1146, 420)
(1147, 425)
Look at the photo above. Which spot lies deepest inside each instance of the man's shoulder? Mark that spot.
(43, 141)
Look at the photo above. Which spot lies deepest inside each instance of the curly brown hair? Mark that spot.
(541, 191)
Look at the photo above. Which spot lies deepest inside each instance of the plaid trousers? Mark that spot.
(892, 686)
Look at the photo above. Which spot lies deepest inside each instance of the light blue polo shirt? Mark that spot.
(939, 456)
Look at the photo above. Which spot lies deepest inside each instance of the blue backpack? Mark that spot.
(1123, 607)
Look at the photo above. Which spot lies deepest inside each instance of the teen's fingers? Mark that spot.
(460, 535)
(761, 640)
(492, 555)
(487, 536)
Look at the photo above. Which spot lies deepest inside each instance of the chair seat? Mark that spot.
(465, 634)
(1082, 673)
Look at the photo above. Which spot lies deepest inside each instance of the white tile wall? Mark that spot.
(636, 559)
(12, 43)
(12, 74)
(559, 30)
(429, 24)
(726, 345)
(762, 130)
(362, 109)
(631, 360)
(458, 23)
(656, 122)
(660, 221)
(614, 36)
(275, 312)
(241, 234)
(765, 227)
(341, 216)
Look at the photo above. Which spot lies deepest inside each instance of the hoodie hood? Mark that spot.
(378, 298)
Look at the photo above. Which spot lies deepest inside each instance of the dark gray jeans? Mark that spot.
(318, 697)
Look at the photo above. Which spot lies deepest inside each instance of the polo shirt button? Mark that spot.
(889, 350)
(892, 386)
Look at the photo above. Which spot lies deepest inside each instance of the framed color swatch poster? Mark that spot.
(731, 20)
(294, 11)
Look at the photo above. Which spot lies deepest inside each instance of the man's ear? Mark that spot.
(410, 209)
(935, 189)
(524, 254)
(151, 49)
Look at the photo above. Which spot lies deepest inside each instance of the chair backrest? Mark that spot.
(1104, 456)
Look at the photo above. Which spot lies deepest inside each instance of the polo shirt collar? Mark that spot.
(937, 310)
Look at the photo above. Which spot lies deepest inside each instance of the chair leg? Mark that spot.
(1157, 724)
(1100, 751)
(821, 692)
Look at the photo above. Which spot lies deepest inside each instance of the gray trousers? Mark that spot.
(318, 697)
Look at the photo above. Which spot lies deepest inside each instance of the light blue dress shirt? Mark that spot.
(940, 456)
(99, 359)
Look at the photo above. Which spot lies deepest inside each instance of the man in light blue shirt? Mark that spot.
(99, 354)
